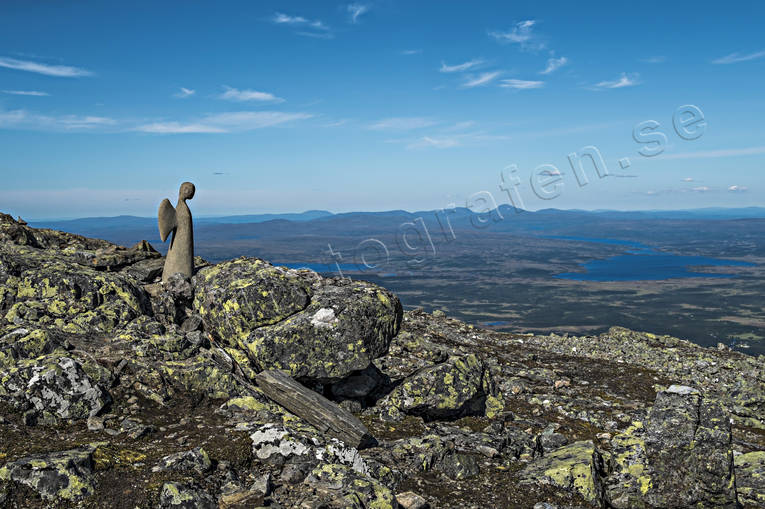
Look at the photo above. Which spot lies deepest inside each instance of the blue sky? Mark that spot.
(106, 108)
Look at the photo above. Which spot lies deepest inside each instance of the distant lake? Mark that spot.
(644, 263)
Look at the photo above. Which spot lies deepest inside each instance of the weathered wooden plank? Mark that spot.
(325, 415)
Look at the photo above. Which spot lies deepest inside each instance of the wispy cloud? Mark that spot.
(411, 52)
(624, 80)
(285, 19)
(356, 10)
(337, 123)
(659, 59)
(183, 93)
(735, 58)
(738, 189)
(62, 71)
(435, 142)
(310, 28)
(446, 140)
(22, 119)
(481, 79)
(236, 121)
(521, 84)
(521, 34)
(554, 63)
(33, 93)
(401, 124)
(709, 154)
(461, 67)
(683, 190)
(688, 179)
(233, 94)
(460, 126)
(178, 128)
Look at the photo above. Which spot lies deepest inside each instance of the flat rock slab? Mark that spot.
(320, 412)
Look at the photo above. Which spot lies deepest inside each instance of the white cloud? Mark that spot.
(700, 189)
(481, 79)
(233, 94)
(554, 63)
(738, 189)
(447, 140)
(521, 84)
(236, 121)
(183, 93)
(411, 52)
(623, 81)
(460, 67)
(654, 60)
(401, 123)
(708, 154)
(63, 71)
(734, 58)
(688, 179)
(280, 18)
(337, 123)
(356, 10)
(520, 34)
(440, 142)
(22, 119)
(33, 93)
(459, 126)
(311, 28)
(178, 128)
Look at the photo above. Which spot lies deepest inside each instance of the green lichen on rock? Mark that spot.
(315, 329)
(458, 387)
(750, 478)
(577, 466)
(54, 386)
(352, 488)
(238, 296)
(64, 475)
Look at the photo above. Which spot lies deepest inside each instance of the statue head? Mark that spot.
(187, 191)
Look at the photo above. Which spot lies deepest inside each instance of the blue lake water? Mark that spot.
(643, 263)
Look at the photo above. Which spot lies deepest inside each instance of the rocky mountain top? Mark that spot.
(121, 391)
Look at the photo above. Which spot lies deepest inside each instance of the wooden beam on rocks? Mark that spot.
(320, 412)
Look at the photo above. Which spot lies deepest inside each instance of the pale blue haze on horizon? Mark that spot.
(372, 105)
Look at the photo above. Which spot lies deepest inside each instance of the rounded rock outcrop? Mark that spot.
(318, 330)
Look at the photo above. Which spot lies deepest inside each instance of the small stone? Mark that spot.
(411, 500)
(292, 474)
(192, 323)
(95, 424)
(262, 484)
(683, 390)
(487, 451)
(562, 383)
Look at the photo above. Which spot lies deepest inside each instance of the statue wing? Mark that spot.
(167, 220)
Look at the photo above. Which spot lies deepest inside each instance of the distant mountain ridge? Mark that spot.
(311, 215)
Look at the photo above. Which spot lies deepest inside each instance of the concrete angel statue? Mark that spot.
(180, 255)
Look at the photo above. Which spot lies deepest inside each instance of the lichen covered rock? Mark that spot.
(458, 387)
(315, 329)
(53, 387)
(176, 495)
(350, 489)
(64, 475)
(235, 297)
(681, 458)
(577, 467)
(750, 478)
